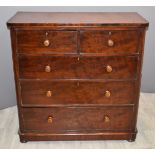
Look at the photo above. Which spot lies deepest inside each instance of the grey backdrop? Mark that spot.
(7, 88)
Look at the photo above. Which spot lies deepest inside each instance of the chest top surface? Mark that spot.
(77, 19)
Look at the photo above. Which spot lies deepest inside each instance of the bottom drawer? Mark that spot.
(77, 118)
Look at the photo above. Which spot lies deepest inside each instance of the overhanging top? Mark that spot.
(77, 19)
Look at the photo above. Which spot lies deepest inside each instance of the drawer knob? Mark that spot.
(46, 43)
(49, 93)
(47, 69)
(110, 43)
(50, 119)
(107, 93)
(106, 119)
(109, 68)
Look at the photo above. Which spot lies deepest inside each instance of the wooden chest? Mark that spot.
(77, 75)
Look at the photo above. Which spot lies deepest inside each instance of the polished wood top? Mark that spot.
(77, 19)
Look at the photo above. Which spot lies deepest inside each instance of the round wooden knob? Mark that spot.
(47, 68)
(49, 93)
(50, 119)
(107, 93)
(109, 68)
(46, 43)
(110, 43)
(106, 119)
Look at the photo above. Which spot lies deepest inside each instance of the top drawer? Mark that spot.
(38, 41)
(115, 42)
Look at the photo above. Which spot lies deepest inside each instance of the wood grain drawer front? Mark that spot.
(109, 42)
(47, 93)
(48, 67)
(38, 41)
(77, 118)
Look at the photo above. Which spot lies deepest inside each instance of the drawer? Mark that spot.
(85, 67)
(109, 42)
(38, 41)
(77, 118)
(64, 93)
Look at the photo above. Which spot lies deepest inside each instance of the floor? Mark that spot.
(145, 137)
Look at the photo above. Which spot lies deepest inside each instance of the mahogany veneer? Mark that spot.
(77, 75)
(76, 92)
(33, 41)
(82, 67)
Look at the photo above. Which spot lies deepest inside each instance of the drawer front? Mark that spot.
(47, 93)
(85, 67)
(109, 42)
(77, 118)
(46, 41)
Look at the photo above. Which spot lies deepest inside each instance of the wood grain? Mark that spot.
(68, 93)
(97, 42)
(69, 67)
(77, 118)
(59, 41)
(76, 19)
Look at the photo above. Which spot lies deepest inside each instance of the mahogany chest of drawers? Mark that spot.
(77, 75)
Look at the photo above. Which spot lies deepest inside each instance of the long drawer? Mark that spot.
(74, 67)
(57, 93)
(77, 118)
(109, 42)
(44, 41)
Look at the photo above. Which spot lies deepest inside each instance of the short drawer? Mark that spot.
(109, 42)
(39, 41)
(64, 93)
(77, 118)
(83, 67)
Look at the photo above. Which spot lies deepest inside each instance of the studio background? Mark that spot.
(7, 86)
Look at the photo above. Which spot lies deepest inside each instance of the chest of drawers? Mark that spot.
(77, 75)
